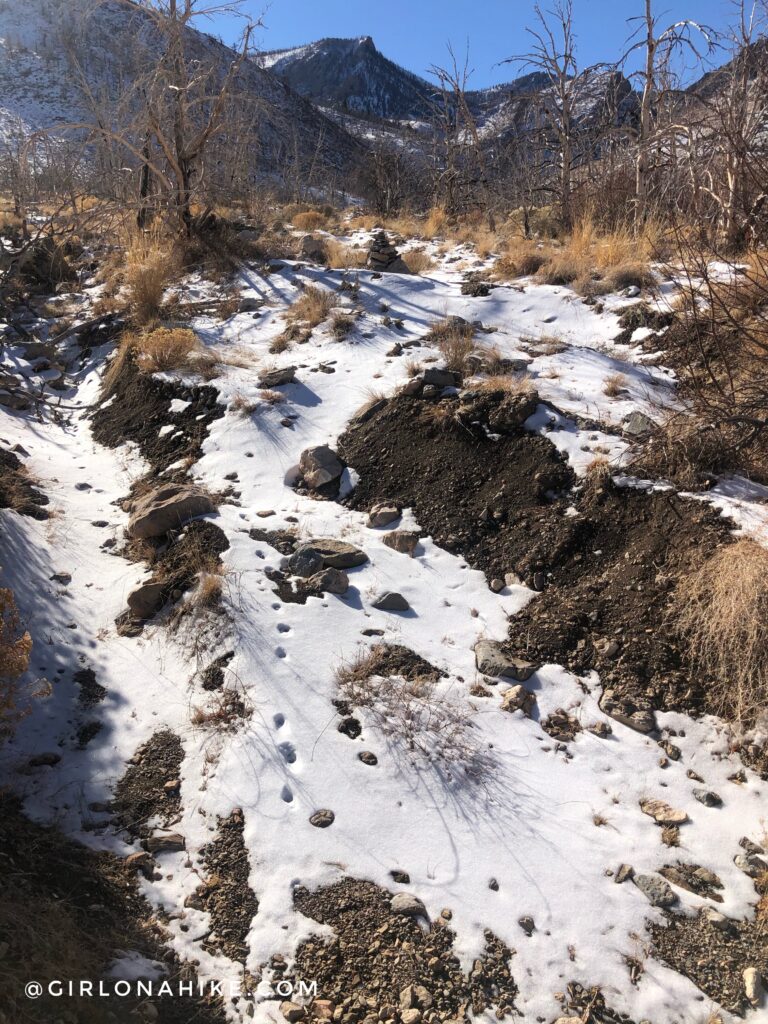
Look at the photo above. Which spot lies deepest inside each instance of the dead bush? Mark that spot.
(628, 275)
(691, 452)
(422, 725)
(614, 385)
(721, 611)
(149, 266)
(341, 325)
(165, 348)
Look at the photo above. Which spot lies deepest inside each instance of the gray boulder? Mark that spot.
(658, 892)
(492, 660)
(382, 514)
(407, 905)
(146, 600)
(167, 507)
(391, 601)
(329, 581)
(274, 378)
(336, 554)
(320, 465)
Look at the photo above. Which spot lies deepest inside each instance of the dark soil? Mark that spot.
(198, 546)
(376, 954)
(91, 692)
(212, 676)
(139, 795)
(67, 912)
(713, 960)
(16, 489)
(226, 895)
(606, 574)
(141, 407)
(488, 500)
(396, 660)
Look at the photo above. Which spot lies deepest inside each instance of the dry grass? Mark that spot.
(15, 650)
(242, 406)
(564, 268)
(165, 348)
(149, 266)
(436, 222)
(312, 306)
(271, 397)
(455, 341)
(342, 325)
(506, 382)
(519, 262)
(630, 274)
(309, 220)
(546, 345)
(9, 222)
(413, 368)
(598, 476)
(419, 261)
(614, 385)
(721, 611)
(372, 398)
(344, 257)
(224, 712)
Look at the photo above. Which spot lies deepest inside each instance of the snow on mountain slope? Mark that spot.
(41, 39)
(530, 823)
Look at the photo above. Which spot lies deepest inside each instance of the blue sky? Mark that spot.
(414, 33)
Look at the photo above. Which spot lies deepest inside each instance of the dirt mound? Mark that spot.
(609, 574)
(16, 489)
(486, 498)
(381, 963)
(226, 895)
(141, 406)
(140, 794)
(605, 559)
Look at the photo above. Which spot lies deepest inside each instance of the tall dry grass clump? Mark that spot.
(344, 257)
(309, 220)
(418, 261)
(151, 264)
(313, 306)
(455, 340)
(721, 612)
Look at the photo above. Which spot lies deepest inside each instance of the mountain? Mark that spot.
(52, 55)
(352, 76)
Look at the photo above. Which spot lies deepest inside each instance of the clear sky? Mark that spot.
(414, 33)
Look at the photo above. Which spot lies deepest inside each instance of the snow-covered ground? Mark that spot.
(529, 822)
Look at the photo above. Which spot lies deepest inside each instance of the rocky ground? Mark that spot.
(354, 668)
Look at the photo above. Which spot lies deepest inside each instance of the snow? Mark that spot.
(528, 821)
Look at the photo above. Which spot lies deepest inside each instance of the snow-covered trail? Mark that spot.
(529, 822)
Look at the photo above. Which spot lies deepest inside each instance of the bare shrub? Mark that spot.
(341, 325)
(421, 724)
(721, 611)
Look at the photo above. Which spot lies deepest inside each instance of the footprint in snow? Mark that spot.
(279, 720)
(283, 627)
(286, 794)
(288, 751)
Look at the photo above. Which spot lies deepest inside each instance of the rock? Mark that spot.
(527, 924)
(492, 660)
(662, 813)
(415, 997)
(47, 760)
(249, 304)
(323, 1009)
(716, 919)
(146, 600)
(292, 1011)
(391, 601)
(407, 905)
(708, 798)
(497, 586)
(641, 719)
(475, 287)
(384, 257)
(753, 986)
(305, 562)
(637, 424)
(167, 507)
(320, 465)
(322, 818)
(336, 554)
(368, 757)
(658, 891)
(329, 581)
(750, 864)
(141, 861)
(441, 378)
(14, 400)
(624, 872)
(404, 541)
(751, 847)
(313, 248)
(171, 842)
(517, 698)
(64, 578)
(382, 514)
(275, 378)
(412, 1016)
(601, 729)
